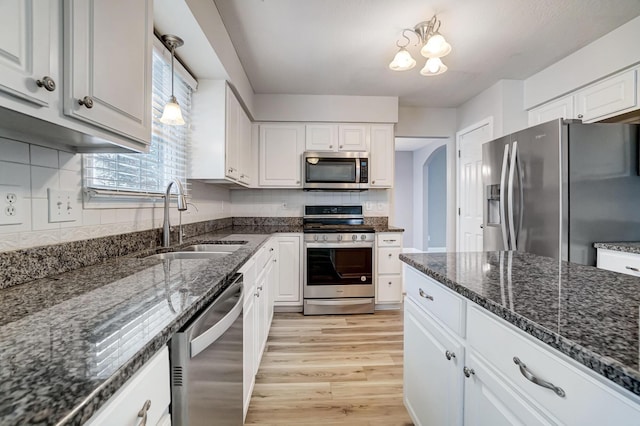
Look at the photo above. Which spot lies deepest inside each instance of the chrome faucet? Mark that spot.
(182, 206)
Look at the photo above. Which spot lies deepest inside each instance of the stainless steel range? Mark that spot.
(338, 263)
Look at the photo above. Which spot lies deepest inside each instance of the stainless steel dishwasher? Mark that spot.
(206, 364)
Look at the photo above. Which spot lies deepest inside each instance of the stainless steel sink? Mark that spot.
(188, 255)
(213, 248)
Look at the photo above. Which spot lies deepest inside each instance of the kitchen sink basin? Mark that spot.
(213, 248)
(188, 255)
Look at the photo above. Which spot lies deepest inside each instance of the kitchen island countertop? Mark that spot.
(625, 247)
(56, 333)
(589, 314)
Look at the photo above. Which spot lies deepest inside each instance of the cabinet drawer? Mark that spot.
(150, 383)
(586, 400)
(389, 289)
(389, 240)
(625, 263)
(435, 299)
(388, 260)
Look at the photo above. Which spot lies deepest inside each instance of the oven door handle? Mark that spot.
(345, 245)
(335, 302)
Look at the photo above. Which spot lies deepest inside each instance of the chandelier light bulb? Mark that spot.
(402, 61)
(435, 47)
(434, 66)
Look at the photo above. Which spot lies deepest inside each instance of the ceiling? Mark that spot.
(343, 47)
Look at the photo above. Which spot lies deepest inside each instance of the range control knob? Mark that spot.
(315, 237)
(339, 237)
(354, 237)
(363, 237)
(324, 237)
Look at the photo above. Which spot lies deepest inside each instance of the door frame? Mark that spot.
(459, 135)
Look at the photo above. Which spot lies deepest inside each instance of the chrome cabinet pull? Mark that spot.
(373, 182)
(389, 241)
(256, 294)
(468, 372)
(425, 295)
(529, 376)
(144, 411)
(631, 268)
(86, 101)
(389, 282)
(330, 146)
(48, 83)
(449, 355)
(580, 115)
(390, 255)
(259, 287)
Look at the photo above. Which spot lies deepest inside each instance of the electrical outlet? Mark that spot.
(11, 205)
(63, 206)
(368, 206)
(380, 206)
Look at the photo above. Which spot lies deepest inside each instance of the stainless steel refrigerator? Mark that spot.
(556, 188)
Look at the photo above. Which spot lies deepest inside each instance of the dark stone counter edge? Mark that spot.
(620, 246)
(93, 402)
(607, 367)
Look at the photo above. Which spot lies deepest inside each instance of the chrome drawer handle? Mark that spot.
(468, 372)
(449, 355)
(86, 101)
(631, 268)
(389, 241)
(144, 411)
(48, 83)
(529, 376)
(425, 295)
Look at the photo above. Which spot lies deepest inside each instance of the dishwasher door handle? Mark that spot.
(205, 339)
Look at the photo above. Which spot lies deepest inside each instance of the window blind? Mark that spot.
(150, 173)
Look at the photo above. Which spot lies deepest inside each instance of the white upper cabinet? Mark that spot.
(25, 69)
(280, 155)
(321, 137)
(221, 149)
(108, 66)
(560, 108)
(612, 96)
(353, 137)
(381, 156)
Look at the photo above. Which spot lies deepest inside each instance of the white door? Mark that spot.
(25, 48)
(381, 156)
(321, 137)
(232, 136)
(353, 137)
(470, 192)
(108, 69)
(287, 287)
(280, 155)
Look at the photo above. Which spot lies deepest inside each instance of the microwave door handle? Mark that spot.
(512, 168)
(357, 171)
(503, 184)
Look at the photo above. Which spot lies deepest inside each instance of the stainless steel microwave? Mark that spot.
(337, 171)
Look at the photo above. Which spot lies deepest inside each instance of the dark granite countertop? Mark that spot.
(388, 229)
(55, 333)
(626, 247)
(586, 313)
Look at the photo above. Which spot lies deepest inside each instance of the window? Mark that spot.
(148, 174)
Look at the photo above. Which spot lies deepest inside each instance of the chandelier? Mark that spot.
(434, 47)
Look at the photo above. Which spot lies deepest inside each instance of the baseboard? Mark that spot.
(287, 308)
(388, 306)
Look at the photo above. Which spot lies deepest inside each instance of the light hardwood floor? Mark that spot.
(331, 370)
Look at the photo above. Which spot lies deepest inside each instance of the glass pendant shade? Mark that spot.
(434, 66)
(436, 47)
(402, 61)
(172, 115)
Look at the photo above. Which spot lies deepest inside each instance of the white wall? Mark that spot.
(607, 55)
(426, 122)
(368, 109)
(403, 209)
(291, 202)
(35, 169)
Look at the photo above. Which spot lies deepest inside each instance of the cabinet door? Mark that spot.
(232, 137)
(280, 155)
(389, 289)
(248, 349)
(353, 137)
(109, 66)
(490, 401)
(389, 261)
(245, 154)
(25, 48)
(321, 137)
(261, 315)
(608, 97)
(381, 156)
(561, 108)
(288, 286)
(432, 383)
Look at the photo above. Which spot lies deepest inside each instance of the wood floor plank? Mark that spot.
(331, 371)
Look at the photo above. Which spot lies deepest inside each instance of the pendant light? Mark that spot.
(172, 115)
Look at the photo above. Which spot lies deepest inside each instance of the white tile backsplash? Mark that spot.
(45, 157)
(68, 161)
(15, 174)
(13, 151)
(43, 178)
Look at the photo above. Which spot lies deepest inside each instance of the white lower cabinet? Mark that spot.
(288, 288)
(146, 395)
(483, 384)
(388, 276)
(617, 261)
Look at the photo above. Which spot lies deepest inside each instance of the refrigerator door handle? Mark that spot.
(503, 183)
(512, 168)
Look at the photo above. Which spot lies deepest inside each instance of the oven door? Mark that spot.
(324, 171)
(338, 270)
